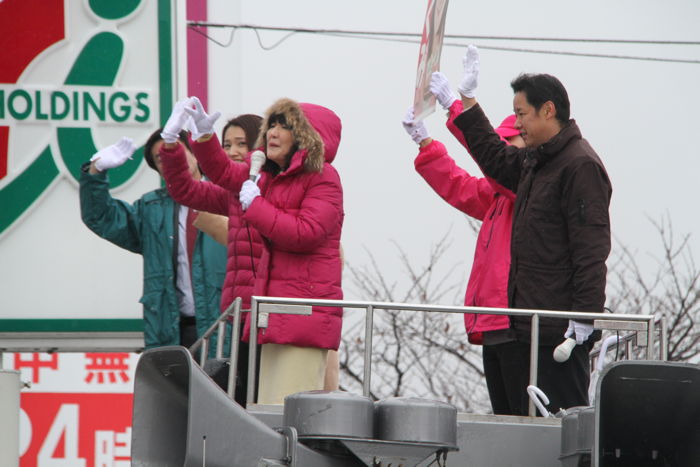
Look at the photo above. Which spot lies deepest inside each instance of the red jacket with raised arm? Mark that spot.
(244, 246)
(485, 200)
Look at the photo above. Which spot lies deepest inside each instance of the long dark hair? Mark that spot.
(249, 123)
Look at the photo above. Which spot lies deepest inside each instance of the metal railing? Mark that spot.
(640, 328)
(628, 340)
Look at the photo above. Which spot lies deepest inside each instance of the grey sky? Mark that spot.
(638, 115)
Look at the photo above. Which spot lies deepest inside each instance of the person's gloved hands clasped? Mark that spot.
(415, 129)
(249, 191)
(581, 331)
(440, 87)
(115, 155)
(470, 79)
(203, 122)
(177, 120)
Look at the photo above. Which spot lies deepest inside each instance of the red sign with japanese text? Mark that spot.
(77, 430)
(77, 411)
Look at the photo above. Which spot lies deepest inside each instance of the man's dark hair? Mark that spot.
(153, 139)
(540, 88)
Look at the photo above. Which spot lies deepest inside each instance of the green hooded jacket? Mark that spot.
(148, 227)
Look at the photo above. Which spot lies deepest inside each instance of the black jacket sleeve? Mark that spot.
(496, 159)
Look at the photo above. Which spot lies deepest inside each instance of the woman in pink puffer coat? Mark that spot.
(297, 207)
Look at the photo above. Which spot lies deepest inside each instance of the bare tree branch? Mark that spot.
(670, 292)
(416, 353)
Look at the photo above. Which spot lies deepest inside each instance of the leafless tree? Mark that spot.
(427, 354)
(415, 353)
(670, 291)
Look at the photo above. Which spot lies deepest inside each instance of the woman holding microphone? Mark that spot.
(297, 207)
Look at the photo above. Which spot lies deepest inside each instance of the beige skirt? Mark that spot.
(287, 369)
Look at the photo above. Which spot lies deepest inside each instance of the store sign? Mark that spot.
(77, 411)
(76, 76)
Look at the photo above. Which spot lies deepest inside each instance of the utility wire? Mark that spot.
(415, 38)
(450, 36)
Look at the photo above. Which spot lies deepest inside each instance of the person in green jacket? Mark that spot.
(183, 268)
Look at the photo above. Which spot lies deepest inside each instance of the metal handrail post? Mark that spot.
(204, 351)
(628, 350)
(651, 339)
(220, 339)
(252, 346)
(235, 339)
(369, 321)
(663, 340)
(534, 350)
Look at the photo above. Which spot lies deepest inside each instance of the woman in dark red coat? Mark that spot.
(297, 207)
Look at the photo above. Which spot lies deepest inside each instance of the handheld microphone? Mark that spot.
(257, 159)
(563, 351)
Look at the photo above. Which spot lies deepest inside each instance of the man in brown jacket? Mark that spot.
(561, 228)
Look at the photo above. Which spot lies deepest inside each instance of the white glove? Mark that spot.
(189, 126)
(249, 191)
(440, 87)
(581, 330)
(415, 129)
(114, 155)
(176, 121)
(203, 122)
(471, 72)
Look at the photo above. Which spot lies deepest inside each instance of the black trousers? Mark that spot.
(241, 391)
(507, 370)
(188, 331)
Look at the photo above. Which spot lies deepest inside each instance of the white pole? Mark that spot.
(9, 418)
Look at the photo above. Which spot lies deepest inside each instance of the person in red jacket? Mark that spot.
(485, 200)
(238, 138)
(244, 245)
(297, 207)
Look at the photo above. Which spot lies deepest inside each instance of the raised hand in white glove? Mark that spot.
(581, 331)
(440, 87)
(470, 79)
(114, 155)
(189, 126)
(415, 129)
(177, 120)
(249, 191)
(203, 122)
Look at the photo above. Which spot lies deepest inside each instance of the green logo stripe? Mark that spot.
(97, 65)
(165, 64)
(113, 9)
(98, 62)
(19, 194)
(71, 325)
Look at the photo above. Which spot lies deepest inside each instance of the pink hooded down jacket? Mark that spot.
(300, 216)
(483, 199)
(244, 246)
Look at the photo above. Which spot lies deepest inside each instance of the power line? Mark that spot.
(447, 36)
(415, 38)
